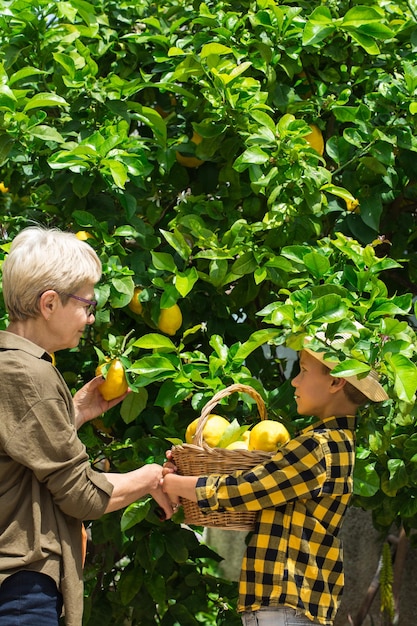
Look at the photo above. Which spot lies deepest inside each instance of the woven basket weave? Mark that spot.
(198, 459)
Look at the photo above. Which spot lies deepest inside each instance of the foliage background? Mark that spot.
(262, 243)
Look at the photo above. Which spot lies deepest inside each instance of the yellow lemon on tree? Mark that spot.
(190, 161)
(212, 432)
(315, 139)
(170, 319)
(83, 235)
(135, 304)
(115, 384)
(268, 435)
(352, 205)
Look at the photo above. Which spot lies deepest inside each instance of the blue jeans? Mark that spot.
(281, 616)
(29, 599)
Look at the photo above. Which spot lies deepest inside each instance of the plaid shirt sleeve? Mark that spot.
(294, 556)
(297, 471)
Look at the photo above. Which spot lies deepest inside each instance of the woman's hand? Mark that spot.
(136, 484)
(89, 403)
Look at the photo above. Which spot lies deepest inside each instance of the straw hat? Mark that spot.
(369, 385)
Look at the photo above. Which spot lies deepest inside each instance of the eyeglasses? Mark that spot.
(91, 303)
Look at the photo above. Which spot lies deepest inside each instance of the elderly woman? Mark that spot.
(47, 485)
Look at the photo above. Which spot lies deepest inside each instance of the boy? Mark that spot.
(292, 571)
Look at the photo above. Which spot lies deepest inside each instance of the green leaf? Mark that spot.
(329, 308)
(232, 433)
(245, 264)
(7, 98)
(253, 155)
(24, 73)
(396, 478)
(155, 341)
(153, 367)
(6, 144)
(129, 585)
(163, 261)
(317, 264)
(340, 192)
(177, 241)
(170, 394)
(350, 367)
(358, 15)
(124, 287)
(134, 514)
(118, 171)
(45, 100)
(47, 133)
(185, 281)
(365, 479)
(214, 48)
(319, 26)
(256, 339)
(177, 549)
(133, 405)
(367, 43)
(181, 615)
(405, 376)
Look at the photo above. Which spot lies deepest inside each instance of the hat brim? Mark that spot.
(369, 385)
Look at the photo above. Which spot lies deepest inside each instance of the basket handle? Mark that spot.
(223, 393)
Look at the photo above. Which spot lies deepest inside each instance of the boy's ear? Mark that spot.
(337, 383)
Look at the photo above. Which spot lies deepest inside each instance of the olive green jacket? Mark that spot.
(47, 486)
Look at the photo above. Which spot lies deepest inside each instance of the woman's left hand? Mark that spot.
(89, 403)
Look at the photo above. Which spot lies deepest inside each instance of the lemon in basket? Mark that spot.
(240, 444)
(268, 435)
(212, 432)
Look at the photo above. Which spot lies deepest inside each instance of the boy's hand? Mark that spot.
(169, 466)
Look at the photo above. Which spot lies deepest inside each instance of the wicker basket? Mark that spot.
(198, 459)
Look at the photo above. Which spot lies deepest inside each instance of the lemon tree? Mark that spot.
(297, 212)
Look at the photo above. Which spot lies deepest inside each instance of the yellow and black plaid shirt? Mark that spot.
(294, 557)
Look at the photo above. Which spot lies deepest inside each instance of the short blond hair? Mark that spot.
(41, 259)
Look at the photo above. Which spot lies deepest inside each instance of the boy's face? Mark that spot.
(313, 387)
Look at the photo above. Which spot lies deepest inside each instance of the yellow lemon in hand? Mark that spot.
(170, 319)
(212, 432)
(115, 384)
(268, 435)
